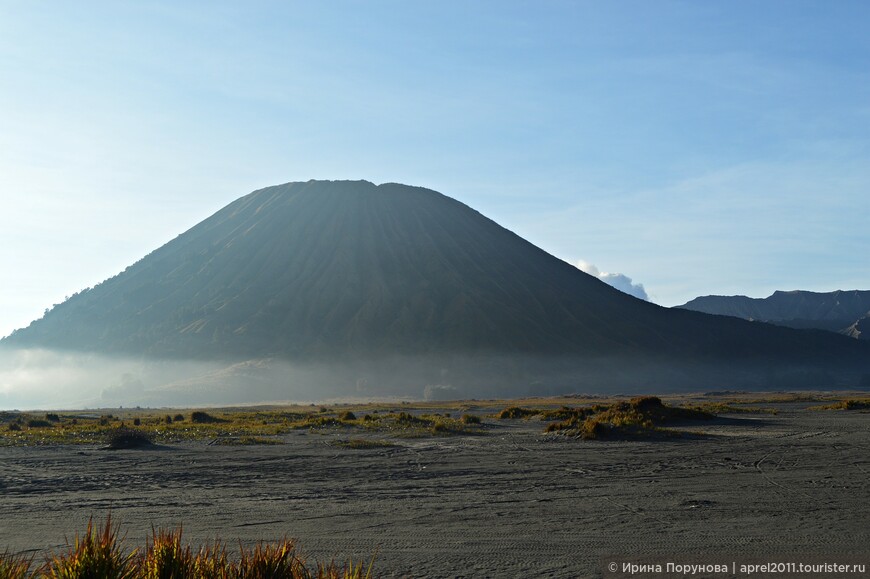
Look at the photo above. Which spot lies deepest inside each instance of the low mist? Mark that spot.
(42, 379)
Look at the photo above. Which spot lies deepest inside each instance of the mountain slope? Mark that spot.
(350, 271)
(838, 311)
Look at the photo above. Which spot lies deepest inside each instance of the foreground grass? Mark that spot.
(101, 554)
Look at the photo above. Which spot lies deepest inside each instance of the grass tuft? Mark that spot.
(97, 554)
(267, 561)
(165, 557)
(15, 566)
(212, 562)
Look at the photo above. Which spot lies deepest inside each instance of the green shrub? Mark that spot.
(470, 419)
(347, 416)
(200, 417)
(440, 427)
(321, 422)
(127, 438)
(52, 417)
(646, 403)
(38, 423)
(408, 419)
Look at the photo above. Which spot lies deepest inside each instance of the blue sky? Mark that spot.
(697, 147)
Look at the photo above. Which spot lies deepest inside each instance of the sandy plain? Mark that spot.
(512, 502)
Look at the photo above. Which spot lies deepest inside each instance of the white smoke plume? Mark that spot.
(617, 280)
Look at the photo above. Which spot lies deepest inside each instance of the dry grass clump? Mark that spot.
(402, 423)
(406, 424)
(725, 408)
(848, 404)
(567, 413)
(514, 412)
(780, 397)
(320, 422)
(101, 554)
(639, 416)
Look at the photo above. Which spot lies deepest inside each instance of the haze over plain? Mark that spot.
(695, 149)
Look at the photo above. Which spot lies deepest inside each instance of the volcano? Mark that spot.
(349, 273)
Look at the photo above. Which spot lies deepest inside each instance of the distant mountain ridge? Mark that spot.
(390, 282)
(845, 312)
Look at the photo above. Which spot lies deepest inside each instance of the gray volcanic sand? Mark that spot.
(511, 503)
